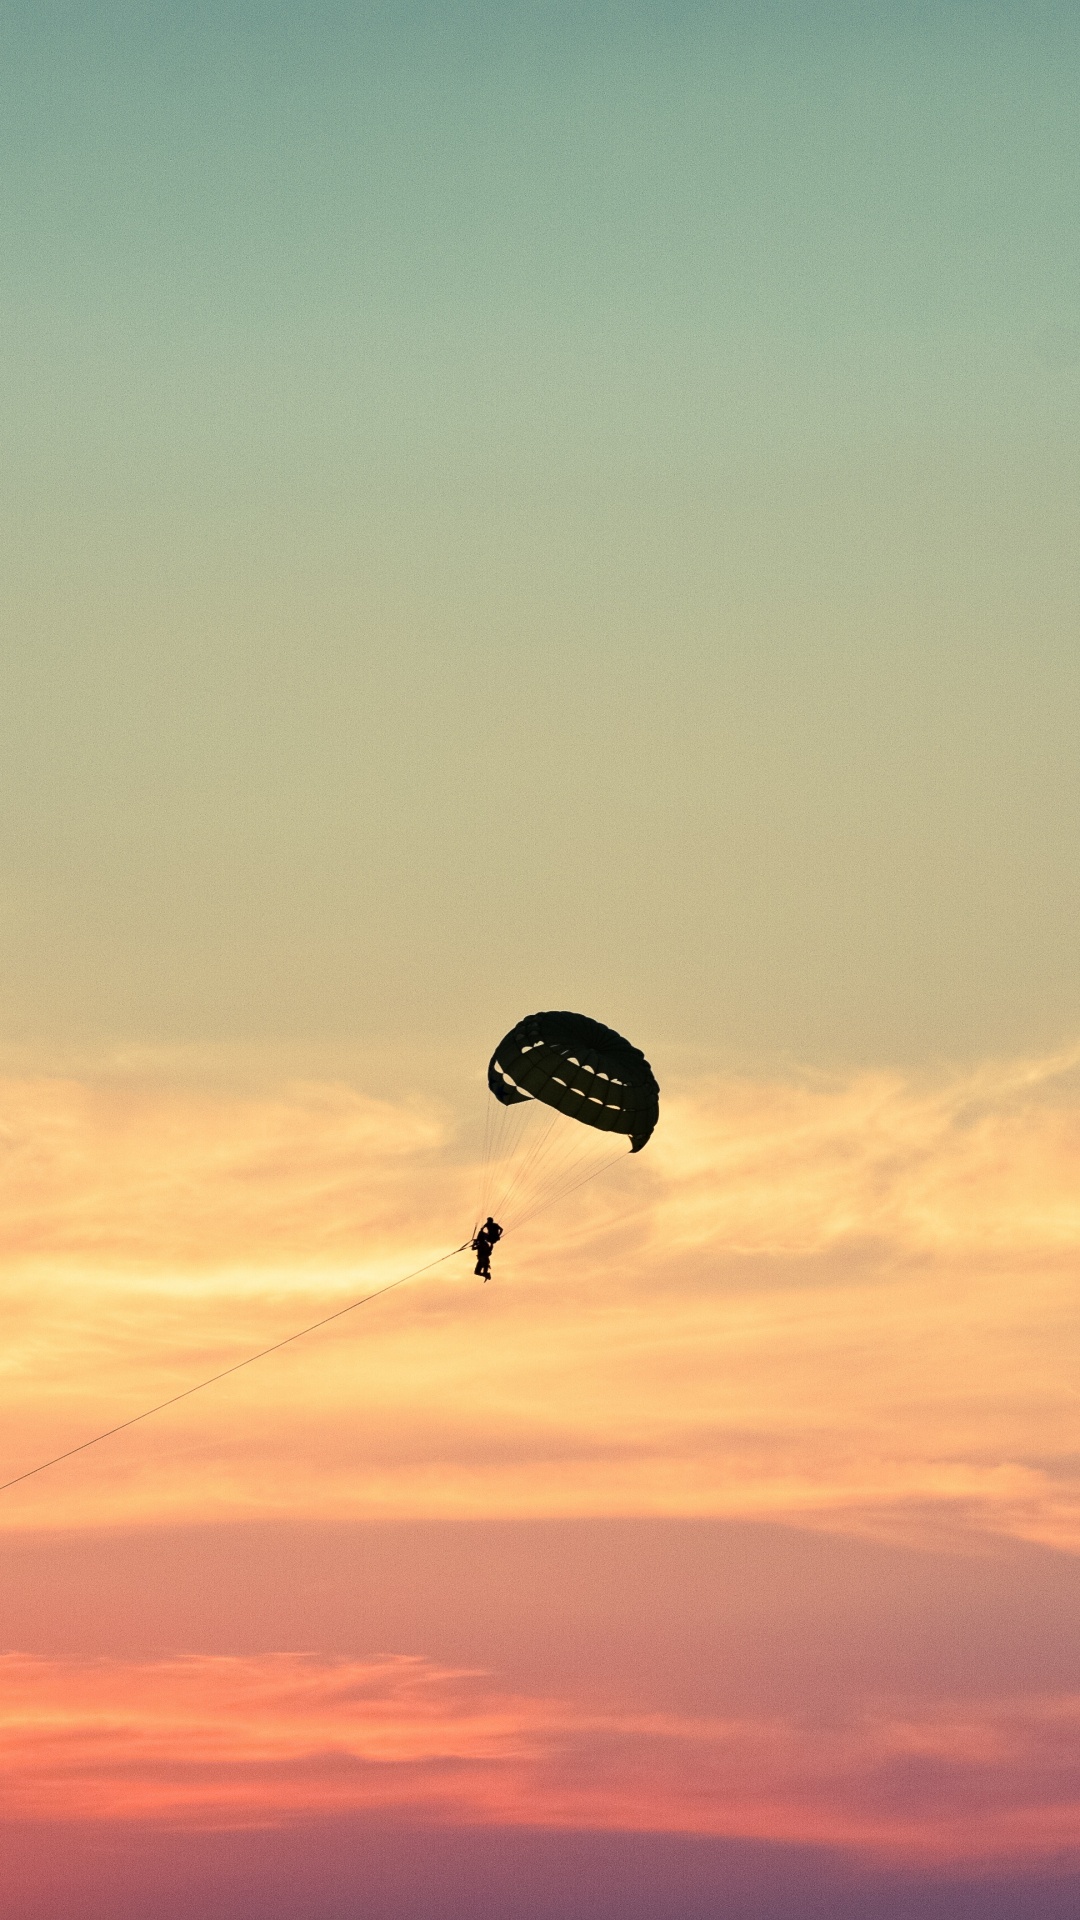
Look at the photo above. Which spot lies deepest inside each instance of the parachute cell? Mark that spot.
(582, 1069)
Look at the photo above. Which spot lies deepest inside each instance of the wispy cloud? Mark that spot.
(210, 1742)
(849, 1301)
(984, 1162)
(167, 1178)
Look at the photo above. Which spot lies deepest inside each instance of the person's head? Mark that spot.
(489, 1222)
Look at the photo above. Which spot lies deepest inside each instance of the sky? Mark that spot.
(514, 506)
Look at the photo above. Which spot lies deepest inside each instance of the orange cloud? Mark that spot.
(244, 1742)
(850, 1302)
(985, 1161)
(172, 1178)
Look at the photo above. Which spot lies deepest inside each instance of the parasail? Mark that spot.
(575, 1079)
(580, 1068)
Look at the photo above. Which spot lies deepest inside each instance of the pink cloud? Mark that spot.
(210, 1742)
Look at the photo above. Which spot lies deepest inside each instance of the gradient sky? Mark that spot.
(513, 506)
(520, 504)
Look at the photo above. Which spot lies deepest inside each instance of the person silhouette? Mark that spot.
(485, 1240)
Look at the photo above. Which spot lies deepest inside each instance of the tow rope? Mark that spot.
(237, 1367)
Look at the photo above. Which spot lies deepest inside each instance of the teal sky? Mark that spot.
(524, 505)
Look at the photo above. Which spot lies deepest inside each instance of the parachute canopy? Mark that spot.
(580, 1068)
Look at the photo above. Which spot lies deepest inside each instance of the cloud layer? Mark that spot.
(846, 1300)
(846, 1307)
(255, 1741)
(840, 1300)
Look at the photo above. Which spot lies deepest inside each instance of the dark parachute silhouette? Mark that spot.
(562, 1082)
(580, 1068)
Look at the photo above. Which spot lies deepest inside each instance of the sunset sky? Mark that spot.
(513, 506)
